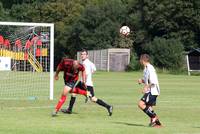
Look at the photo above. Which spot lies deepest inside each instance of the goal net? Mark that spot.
(26, 60)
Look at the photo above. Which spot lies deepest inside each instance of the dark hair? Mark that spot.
(84, 50)
(145, 57)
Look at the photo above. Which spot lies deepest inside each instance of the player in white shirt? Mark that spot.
(150, 90)
(89, 69)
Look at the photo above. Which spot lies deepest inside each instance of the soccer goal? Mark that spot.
(26, 60)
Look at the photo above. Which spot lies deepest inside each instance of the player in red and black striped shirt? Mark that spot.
(71, 69)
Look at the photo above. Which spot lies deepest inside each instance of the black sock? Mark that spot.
(71, 103)
(102, 103)
(149, 112)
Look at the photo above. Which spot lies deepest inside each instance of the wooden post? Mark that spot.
(188, 65)
(108, 60)
(101, 59)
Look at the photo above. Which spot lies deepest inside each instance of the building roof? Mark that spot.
(194, 52)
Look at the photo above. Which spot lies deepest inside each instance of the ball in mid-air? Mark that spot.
(125, 30)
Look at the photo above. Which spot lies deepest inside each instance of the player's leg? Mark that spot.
(145, 104)
(63, 97)
(71, 85)
(148, 111)
(71, 103)
(79, 89)
(99, 101)
(82, 91)
(152, 102)
(154, 122)
(73, 92)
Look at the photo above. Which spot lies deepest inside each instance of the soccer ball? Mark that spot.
(125, 30)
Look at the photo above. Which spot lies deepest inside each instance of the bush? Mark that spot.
(134, 64)
(166, 53)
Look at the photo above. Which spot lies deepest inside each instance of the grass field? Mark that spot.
(178, 108)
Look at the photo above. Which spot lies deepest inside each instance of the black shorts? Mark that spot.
(149, 99)
(81, 85)
(91, 90)
(70, 84)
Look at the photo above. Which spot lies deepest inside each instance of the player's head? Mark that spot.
(84, 54)
(75, 64)
(144, 59)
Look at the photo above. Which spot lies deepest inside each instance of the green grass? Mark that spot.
(178, 107)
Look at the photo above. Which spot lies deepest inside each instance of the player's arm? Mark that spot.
(151, 82)
(56, 77)
(84, 76)
(145, 81)
(85, 73)
(93, 67)
(153, 79)
(58, 69)
(147, 87)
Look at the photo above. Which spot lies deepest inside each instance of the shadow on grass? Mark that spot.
(196, 127)
(70, 113)
(130, 124)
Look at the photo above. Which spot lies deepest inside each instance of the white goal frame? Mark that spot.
(51, 25)
(188, 66)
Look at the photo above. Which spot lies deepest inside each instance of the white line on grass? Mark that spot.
(121, 106)
(21, 108)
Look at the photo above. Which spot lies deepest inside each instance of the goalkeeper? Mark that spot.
(89, 69)
(71, 70)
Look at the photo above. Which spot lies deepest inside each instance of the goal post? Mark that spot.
(26, 60)
(193, 61)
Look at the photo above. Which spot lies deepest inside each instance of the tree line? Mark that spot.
(164, 29)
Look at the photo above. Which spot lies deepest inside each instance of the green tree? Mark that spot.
(166, 53)
(2, 12)
(172, 19)
(98, 26)
(9, 3)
